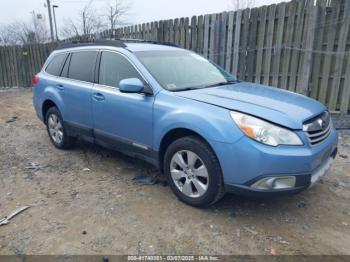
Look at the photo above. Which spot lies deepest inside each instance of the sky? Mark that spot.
(141, 11)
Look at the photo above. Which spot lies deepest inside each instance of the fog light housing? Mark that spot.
(274, 183)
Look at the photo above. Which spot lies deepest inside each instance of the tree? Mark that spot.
(117, 12)
(235, 5)
(22, 32)
(88, 22)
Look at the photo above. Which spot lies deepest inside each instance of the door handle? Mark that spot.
(98, 97)
(60, 87)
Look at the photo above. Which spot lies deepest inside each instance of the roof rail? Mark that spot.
(133, 40)
(79, 43)
(109, 42)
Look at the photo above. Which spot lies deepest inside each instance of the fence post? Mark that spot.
(281, 11)
(345, 98)
(194, 34)
(200, 35)
(236, 42)
(309, 46)
(212, 38)
(222, 38)
(269, 43)
(229, 50)
(342, 42)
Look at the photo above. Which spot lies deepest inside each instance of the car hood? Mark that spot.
(273, 104)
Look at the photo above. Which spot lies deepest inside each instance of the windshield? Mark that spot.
(183, 70)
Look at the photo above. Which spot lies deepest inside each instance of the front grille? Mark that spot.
(318, 128)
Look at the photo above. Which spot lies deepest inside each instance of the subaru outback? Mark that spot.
(208, 132)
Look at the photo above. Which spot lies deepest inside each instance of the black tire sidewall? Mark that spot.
(211, 162)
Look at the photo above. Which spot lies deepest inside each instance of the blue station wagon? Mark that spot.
(208, 132)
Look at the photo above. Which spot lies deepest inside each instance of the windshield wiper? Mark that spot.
(222, 83)
(185, 89)
(207, 86)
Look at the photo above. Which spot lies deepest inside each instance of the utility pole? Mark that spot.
(54, 19)
(84, 23)
(50, 18)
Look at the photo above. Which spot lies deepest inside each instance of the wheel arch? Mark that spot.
(174, 134)
(48, 103)
(51, 97)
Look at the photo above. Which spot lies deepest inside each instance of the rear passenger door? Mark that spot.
(123, 120)
(76, 86)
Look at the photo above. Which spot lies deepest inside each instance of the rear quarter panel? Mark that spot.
(45, 90)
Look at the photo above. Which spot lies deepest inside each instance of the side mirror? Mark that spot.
(131, 85)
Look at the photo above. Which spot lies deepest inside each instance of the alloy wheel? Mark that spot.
(55, 128)
(189, 173)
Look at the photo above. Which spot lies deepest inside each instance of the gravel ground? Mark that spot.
(84, 201)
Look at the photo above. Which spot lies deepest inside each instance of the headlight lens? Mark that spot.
(264, 131)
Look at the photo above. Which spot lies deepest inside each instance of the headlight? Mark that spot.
(264, 131)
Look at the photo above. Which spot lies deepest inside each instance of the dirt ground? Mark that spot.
(84, 201)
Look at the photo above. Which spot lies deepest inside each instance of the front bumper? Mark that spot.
(303, 182)
(247, 161)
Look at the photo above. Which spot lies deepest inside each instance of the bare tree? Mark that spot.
(117, 13)
(235, 5)
(5, 37)
(21, 32)
(69, 28)
(88, 22)
(39, 27)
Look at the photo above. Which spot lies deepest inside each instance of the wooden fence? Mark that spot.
(302, 46)
(18, 64)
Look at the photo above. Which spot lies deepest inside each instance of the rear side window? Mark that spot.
(82, 65)
(55, 66)
(114, 68)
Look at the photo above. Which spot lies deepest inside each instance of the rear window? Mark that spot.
(82, 65)
(55, 66)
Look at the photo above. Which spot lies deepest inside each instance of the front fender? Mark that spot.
(211, 122)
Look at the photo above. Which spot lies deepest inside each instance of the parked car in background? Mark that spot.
(208, 132)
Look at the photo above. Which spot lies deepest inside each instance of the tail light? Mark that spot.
(35, 80)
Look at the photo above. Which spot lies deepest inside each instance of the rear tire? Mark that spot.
(57, 130)
(193, 172)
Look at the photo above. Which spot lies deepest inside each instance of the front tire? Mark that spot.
(193, 172)
(56, 129)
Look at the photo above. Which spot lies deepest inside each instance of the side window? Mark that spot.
(82, 65)
(55, 66)
(114, 68)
